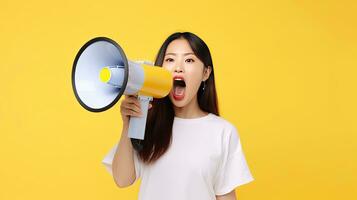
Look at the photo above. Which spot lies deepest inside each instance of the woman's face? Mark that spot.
(185, 66)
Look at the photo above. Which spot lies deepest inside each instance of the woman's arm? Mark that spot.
(123, 162)
(228, 196)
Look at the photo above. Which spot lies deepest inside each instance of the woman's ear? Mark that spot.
(207, 72)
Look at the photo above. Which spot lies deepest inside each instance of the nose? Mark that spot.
(178, 69)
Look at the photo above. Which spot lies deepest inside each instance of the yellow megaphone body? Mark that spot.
(101, 74)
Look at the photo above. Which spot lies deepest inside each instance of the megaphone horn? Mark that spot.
(101, 74)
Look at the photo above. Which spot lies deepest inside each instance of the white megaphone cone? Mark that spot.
(101, 74)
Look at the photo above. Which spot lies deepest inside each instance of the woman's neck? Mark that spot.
(191, 110)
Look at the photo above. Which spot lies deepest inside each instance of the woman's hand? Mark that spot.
(130, 106)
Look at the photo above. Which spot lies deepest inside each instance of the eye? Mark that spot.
(190, 60)
(169, 60)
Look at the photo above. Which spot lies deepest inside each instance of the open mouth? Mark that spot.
(179, 87)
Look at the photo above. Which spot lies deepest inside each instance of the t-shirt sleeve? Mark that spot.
(233, 170)
(108, 159)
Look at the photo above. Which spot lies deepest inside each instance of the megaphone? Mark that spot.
(101, 74)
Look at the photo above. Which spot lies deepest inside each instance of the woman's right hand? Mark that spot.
(130, 106)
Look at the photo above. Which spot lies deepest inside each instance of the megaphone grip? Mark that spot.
(137, 124)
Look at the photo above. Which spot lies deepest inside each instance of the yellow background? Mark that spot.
(286, 77)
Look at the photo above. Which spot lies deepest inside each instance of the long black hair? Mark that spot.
(160, 117)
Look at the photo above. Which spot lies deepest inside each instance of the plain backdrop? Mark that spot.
(285, 74)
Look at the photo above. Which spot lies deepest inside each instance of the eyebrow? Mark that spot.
(185, 54)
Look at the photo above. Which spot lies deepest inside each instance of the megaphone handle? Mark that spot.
(137, 124)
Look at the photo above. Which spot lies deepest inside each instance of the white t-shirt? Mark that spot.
(205, 159)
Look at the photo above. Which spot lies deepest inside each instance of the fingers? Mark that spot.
(130, 106)
(131, 111)
(132, 99)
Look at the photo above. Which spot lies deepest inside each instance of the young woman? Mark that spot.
(189, 151)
